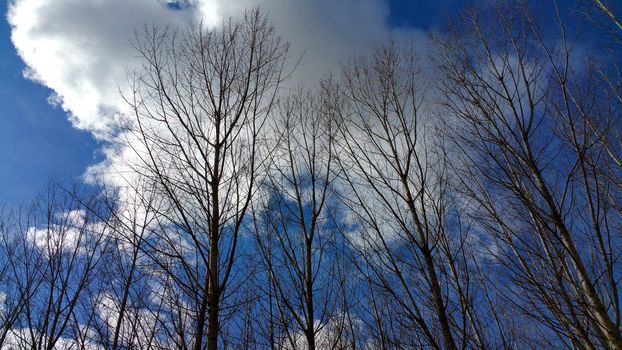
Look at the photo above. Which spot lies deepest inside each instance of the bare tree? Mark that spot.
(11, 300)
(604, 15)
(198, 108)
(411, 248)
(298, 247)
(124, 313)
(385, 210)
(56, 249)
(522, 108)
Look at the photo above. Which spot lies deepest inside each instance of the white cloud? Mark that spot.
(25, 338)
(108, 309)
(330, 335)
(68, 233)
(80, 48)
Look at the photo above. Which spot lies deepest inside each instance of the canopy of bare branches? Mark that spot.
(467, 197)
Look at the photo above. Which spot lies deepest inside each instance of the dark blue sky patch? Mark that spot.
(178, 5)
(422, 14)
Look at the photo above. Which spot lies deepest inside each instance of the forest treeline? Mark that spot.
(462, 194)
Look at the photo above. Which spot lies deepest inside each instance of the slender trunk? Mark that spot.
(214, 290)
(126, 293)
(271, 314)
(212, 325)
(211, 295)
(435, 286)
(198, 343)
(210, 301)
(310, 333)
(605, 326)
(438, 298)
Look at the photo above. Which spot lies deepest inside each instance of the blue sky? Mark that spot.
(38, 142)
(423, 14)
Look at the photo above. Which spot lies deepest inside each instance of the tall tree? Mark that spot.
(298, 247)
(394, 180)
(199, 105)
(523, 107)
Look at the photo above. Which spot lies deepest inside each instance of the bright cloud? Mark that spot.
(81, 48)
